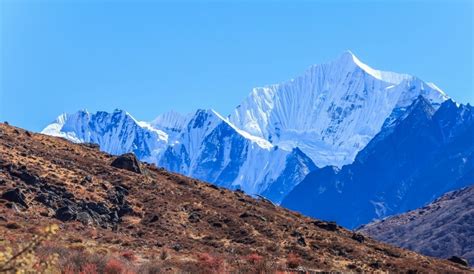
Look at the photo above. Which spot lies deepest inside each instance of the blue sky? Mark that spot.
(148, 57)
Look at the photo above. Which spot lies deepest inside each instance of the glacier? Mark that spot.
(274, 138)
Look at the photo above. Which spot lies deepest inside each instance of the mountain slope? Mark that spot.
(416, 158)
(442, 228)
(212, 149)
(332, 111)
(105, 206)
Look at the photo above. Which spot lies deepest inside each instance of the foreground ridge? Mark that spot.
(143, 216)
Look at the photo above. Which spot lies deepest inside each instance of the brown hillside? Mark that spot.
(442, 228)
(150, 212)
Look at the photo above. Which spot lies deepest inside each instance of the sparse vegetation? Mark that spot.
(116, 221)
(293, 261)
(22, 258)
(210, 263)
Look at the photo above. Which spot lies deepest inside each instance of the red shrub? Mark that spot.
(89, 269)
(114, 266)
(130, 256)
(254, 258)
(210, 263)
(68, 269)
(293, 260)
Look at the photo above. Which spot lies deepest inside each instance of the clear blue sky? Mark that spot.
(148, 57)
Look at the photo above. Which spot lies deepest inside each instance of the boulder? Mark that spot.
(128, 162)
(99, 208)
(125, 209)
(65, 214)
(330, 226)
(26, 177)
(194, 217)
(301, 241)
(84, 218)
(459, 260)
(15, 196)
(358, 237)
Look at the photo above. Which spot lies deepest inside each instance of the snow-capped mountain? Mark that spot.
(171, 122)
(212, 149)
(204, 146)
(274, 138)
(332, 111)
(419, 156)
(117, 132)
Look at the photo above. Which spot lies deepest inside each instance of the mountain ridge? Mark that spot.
(418, 157)
(329, 114)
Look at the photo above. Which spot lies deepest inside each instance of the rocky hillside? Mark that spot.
(116, 206)
(442, 228)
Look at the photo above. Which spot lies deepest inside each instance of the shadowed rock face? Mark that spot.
(417, 158)
(15, 196)
(76, 186)
(443, 228)
(458, 260)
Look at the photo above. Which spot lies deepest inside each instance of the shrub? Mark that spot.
(23, 258)
(89, 269)
(129, 256)
(293, 260)
(209, 263)
(114, 266)
(254, 258)
(150, 268)
(255, 263)
(68, 269)
(164, 254)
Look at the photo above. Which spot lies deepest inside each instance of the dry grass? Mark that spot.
(176, 223)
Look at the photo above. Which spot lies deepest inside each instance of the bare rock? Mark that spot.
(128, 162)
(459, 260)
(16, 196)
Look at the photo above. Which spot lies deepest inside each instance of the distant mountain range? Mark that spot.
(319, 122)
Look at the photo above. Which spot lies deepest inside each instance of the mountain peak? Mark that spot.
(350, 60)
(203, 117)
(347, 55)
(347, 58)
(420, 108)
(171, 120)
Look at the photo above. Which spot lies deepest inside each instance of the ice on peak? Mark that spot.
(331, 111)
(433, 86)
(349, 59)
(210, 118)
(202, 115)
